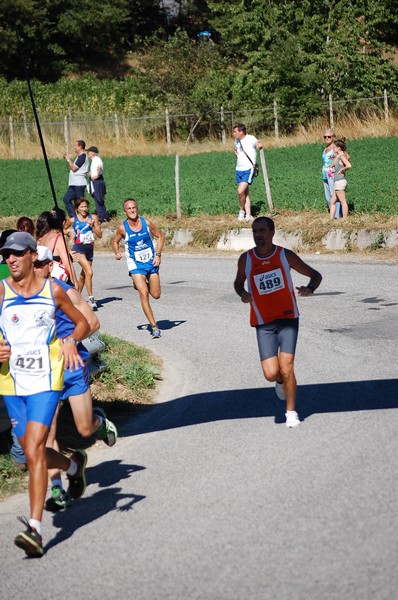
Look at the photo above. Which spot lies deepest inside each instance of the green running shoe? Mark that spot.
(58, 500)
(107, 431)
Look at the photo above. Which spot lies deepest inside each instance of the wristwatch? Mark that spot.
(70, 339)
(311, 287)
(158, 254)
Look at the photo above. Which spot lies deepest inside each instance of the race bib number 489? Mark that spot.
(269, 282)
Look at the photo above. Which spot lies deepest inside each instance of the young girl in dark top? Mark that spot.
(340, 165)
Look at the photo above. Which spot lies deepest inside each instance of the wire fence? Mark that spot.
(174, 127)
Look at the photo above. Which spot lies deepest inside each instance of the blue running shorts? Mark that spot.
(36, 407)
(86, 249)
(245, 176)
(76, 382)
(146, 269)
(277, 336)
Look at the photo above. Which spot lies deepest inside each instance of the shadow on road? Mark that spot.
(162, 324)
(262, 402)
(107, 300)
(91, 508)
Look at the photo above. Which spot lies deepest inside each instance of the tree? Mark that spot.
(300, 51)
(71, 35)
(182, 74)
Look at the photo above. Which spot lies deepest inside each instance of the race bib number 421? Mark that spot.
(269, 282)
(33, 362)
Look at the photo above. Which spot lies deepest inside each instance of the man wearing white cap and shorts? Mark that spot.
(76, 388)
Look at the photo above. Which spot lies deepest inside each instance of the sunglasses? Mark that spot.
(18, 253)
(327, 137)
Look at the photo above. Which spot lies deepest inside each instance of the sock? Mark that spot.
(36, 525)
(56, 482)
(72, 468)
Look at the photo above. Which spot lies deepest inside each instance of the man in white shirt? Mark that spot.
(245, 148)
(97, 178)
(77, 176)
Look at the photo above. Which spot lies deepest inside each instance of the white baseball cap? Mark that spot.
(44, 254)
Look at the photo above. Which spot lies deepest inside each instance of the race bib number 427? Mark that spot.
(269, 282)
(144, 255)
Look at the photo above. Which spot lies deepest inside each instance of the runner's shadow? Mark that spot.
(115, 471)
(104, 301)
(262, 402)
(163, 325)
(90, 508)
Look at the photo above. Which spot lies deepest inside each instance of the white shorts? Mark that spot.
(340, 185)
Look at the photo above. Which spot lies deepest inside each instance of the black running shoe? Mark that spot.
(107, 430)
(58, 500)
(77, 482)
(29, 540)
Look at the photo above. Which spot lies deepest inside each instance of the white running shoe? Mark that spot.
(241, 215)
(248, 218)
(280, 392)
(92, 303)
(292, 419)
(155, 333)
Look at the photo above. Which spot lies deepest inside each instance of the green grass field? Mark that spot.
(207, 182)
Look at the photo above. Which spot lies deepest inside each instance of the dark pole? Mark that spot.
(43, 148)
(50, 179)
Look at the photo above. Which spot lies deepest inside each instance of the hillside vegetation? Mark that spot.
(138, 58)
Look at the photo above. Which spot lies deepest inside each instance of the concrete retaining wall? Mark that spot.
(242, 239)
(338, 239)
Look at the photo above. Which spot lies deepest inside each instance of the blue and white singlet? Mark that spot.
(139, 247)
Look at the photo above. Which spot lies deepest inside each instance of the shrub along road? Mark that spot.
(207, 494)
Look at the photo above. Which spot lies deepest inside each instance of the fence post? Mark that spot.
(69, 123)
(331, 119)
(117, 132)
(125, 131)
(177, 184)
(66, 134)
(276, 124)
(168, 133)
(386, 115)
(266, 181)
(25, 124)
(12, 141)
(223, 138)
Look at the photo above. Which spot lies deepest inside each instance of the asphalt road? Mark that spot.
(208, 495)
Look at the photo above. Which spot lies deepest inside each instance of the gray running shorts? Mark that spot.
(278, 336)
